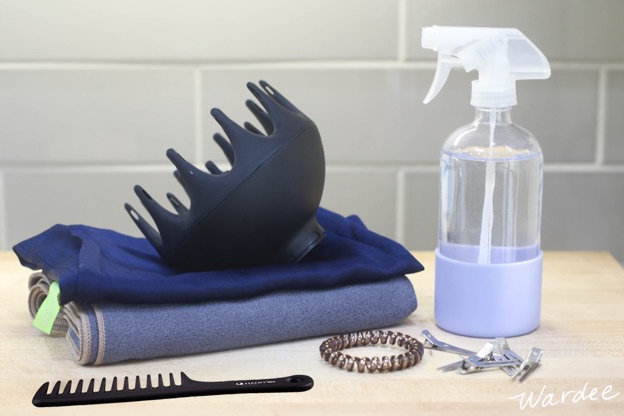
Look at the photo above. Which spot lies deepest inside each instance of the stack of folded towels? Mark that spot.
(121, 302)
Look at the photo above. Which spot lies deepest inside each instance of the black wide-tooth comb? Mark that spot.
(186, 388)
(261, 211)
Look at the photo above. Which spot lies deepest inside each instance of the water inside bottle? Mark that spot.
(516, 204)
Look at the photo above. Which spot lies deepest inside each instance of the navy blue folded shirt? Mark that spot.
(93, 264)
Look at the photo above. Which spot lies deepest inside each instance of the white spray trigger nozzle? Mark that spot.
(443, 70)
(501, 55)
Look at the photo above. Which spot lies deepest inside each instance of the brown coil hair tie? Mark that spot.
(330, 351)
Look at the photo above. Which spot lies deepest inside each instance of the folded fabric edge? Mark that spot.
(39, 286)
(108, 333)
(180, 330)
(75, 322)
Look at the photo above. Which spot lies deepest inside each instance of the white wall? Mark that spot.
(93, 93)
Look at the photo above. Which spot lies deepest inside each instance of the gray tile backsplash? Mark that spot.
(92, 95)
(36, 199)
(94, 115)
(614, 134)
(421, 209)
(562, 114)
(565, 30)
(365, 115)
(192, 30)
(587, 204)
(370, 193)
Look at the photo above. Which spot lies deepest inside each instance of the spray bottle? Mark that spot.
(488, 261)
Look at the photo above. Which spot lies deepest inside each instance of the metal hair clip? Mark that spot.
(529, 365)
(493, 355)
(487, 359)
(470, 364)
(433, 343)
(502, 352)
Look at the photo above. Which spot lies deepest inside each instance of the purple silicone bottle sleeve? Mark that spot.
(488, 300)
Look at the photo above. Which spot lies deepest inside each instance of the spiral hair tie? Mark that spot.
(330, 351)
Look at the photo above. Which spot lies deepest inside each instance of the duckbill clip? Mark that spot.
(263, 210)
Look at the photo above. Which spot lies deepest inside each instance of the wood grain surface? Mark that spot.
(581, 333)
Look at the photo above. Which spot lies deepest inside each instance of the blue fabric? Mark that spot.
(138, 332)
(93, 265)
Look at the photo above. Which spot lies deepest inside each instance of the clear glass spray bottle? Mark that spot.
(488, 261)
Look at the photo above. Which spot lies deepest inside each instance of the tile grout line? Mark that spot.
(401, 62)
(589, 167)
(601, 115)
(402, 31)
(582, 168)
(82, 168)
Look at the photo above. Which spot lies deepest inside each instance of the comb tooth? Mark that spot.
(150, 233)
(137, 383)
(148, 383)
(43, 390)
(261, 116)
(56, 389)
(91, 386)
(171, 380)
(126, 384)
(78, 387)
(114, 386)
(67, 388)
(225, 146)
(184, 378)
(41, 395)
(102, 385)
(160, 381)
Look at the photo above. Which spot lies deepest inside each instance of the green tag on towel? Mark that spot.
(49, 310)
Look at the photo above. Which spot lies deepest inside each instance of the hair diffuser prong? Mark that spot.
(213, 168)
(236, 134)
(252, 128)
(260, 211)
(159, 214)
(176, 204)
(272, 107)
(191, 178)
(148, 231)
(261, 116)
(283, 101)
(225, 146)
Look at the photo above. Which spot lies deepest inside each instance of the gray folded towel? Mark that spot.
(104, 333)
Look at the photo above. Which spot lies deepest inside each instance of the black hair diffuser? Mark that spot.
(263, 210)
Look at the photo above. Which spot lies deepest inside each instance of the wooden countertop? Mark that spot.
(581, 333)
